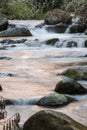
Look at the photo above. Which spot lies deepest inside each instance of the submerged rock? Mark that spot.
(51, 120)
(53, 100)
(5, 58)
(77, 28)
(57, 16)
(14, 32)
(77, 73)
(3, 22)
(71, 44)
(52, 41)
(70, 87)
(58, 28)
(0, 88)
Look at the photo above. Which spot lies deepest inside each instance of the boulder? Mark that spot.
(52, 41)
(52, 120)
(0, 88)
(71, 73)
(70, 87)
(57, 16)
(77, 28)
(76, 73)
(53, 100)
(3, 22)
(58, 28)
(15, 31)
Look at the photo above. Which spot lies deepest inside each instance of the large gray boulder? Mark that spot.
(3, 22)
(15, 31)
(51, 120)
(57, 16)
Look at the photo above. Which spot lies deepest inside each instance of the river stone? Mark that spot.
(14, 32)
(71, 44)
(85, 44)
(57, 16)
(0, 88)
(58, 28)
(77, 28)
(70, 87)
(53, 100)
(52, 120)
(77, 73)
(3, 22)
(52, 41)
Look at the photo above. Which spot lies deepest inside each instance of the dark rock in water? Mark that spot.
(77, 73)
(70, 87)
(51, 120)
(85, 44)
(5, 58)
(52, 41)
(9, 41)
(40, 25)
(14, 32)
(54, 100)
(57, 16)
(0, 88)
(3, 22)
(8, 102)
(72, 44)
(77, 28)
(86, 32)
(71, 73)
(58, 28)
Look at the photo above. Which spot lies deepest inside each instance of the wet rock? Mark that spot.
(0, 88)
(52, 41)
(3, 22)
(71, 73)
(8, 102)
(14, 32)
(85, 44)
(10, 41)
(53, 100)
(86, 32)
(77, 28)
(77, 73)
(70, 87)
(57, 16)
(40, 25)
(71, 44)
(51, 120)
(5, 58)
(58, 28)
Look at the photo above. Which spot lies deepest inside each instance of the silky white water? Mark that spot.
(36, 66)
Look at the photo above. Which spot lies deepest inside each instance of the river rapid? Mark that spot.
(35, 67)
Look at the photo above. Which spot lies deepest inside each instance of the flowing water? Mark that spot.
(35, 67)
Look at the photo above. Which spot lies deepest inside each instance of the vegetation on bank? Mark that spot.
(36, 9)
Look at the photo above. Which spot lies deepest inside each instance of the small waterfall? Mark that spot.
(32, 101)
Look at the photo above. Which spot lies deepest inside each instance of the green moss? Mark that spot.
(72, 73)
(69, 87)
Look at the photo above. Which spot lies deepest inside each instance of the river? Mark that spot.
(35, 67)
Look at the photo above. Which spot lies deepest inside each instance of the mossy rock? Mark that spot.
(53, 100)
(52, 41)
(51, 120)
(72, 73)
(70, 87)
